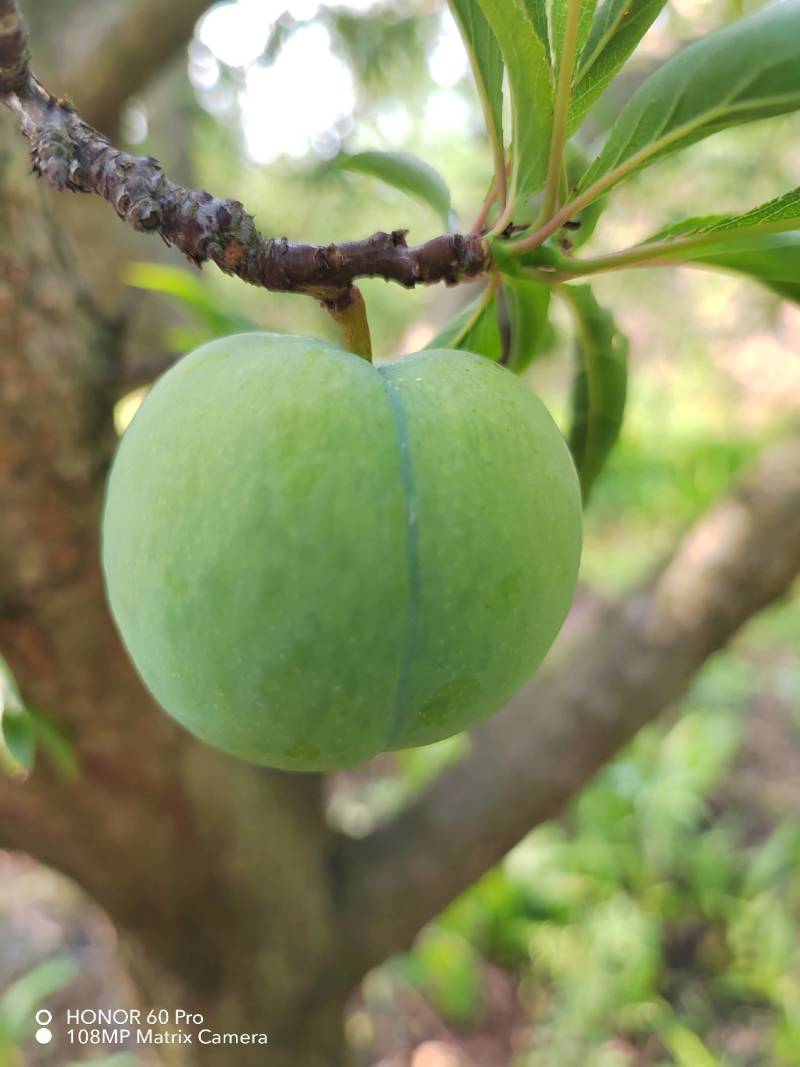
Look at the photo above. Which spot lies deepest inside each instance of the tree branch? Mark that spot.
(526, 762)
(72, 155)
(13, 49)
(139, 43)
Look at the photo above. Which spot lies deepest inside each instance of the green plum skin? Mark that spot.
(312, 560)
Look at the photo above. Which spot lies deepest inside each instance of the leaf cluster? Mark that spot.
(554, 59)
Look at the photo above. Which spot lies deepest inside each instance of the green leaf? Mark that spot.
(762, 243)
(748, 70)
(527, 305)
(487, 65)
(782, 213)
(23, 729)
(408, 174)
(21, 999)
(687, 1048)
(190, 291)
(58, 748)
(616, 30)
(17, 731)
(685, 227)
(19, 741)
(10, 696)
(531, 88)
(537, 9)
(599, 386)
(474, 329)
(185, 338)
(449, 973)
(773, 260)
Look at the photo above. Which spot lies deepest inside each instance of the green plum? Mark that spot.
(311, 559)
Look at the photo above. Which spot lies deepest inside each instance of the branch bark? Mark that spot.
(528, 761)
(72, 155)
(139, 43)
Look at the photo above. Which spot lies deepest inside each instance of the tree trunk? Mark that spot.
(215, 873)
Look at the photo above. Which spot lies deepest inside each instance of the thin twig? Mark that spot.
(479, 225)
(72, 155)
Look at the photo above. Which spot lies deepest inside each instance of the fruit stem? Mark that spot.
(350, 313)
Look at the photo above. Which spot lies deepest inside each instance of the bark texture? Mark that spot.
(72, 155)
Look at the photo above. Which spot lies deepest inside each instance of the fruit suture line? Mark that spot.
(72, 155)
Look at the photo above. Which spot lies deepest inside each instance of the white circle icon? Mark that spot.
(43, 1016)
(44, 1036)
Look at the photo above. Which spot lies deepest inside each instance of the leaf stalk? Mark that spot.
(562, 102)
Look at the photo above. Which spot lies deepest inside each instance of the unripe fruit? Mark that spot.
(312, 560)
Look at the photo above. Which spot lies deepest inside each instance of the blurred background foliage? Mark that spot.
(657, 923)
